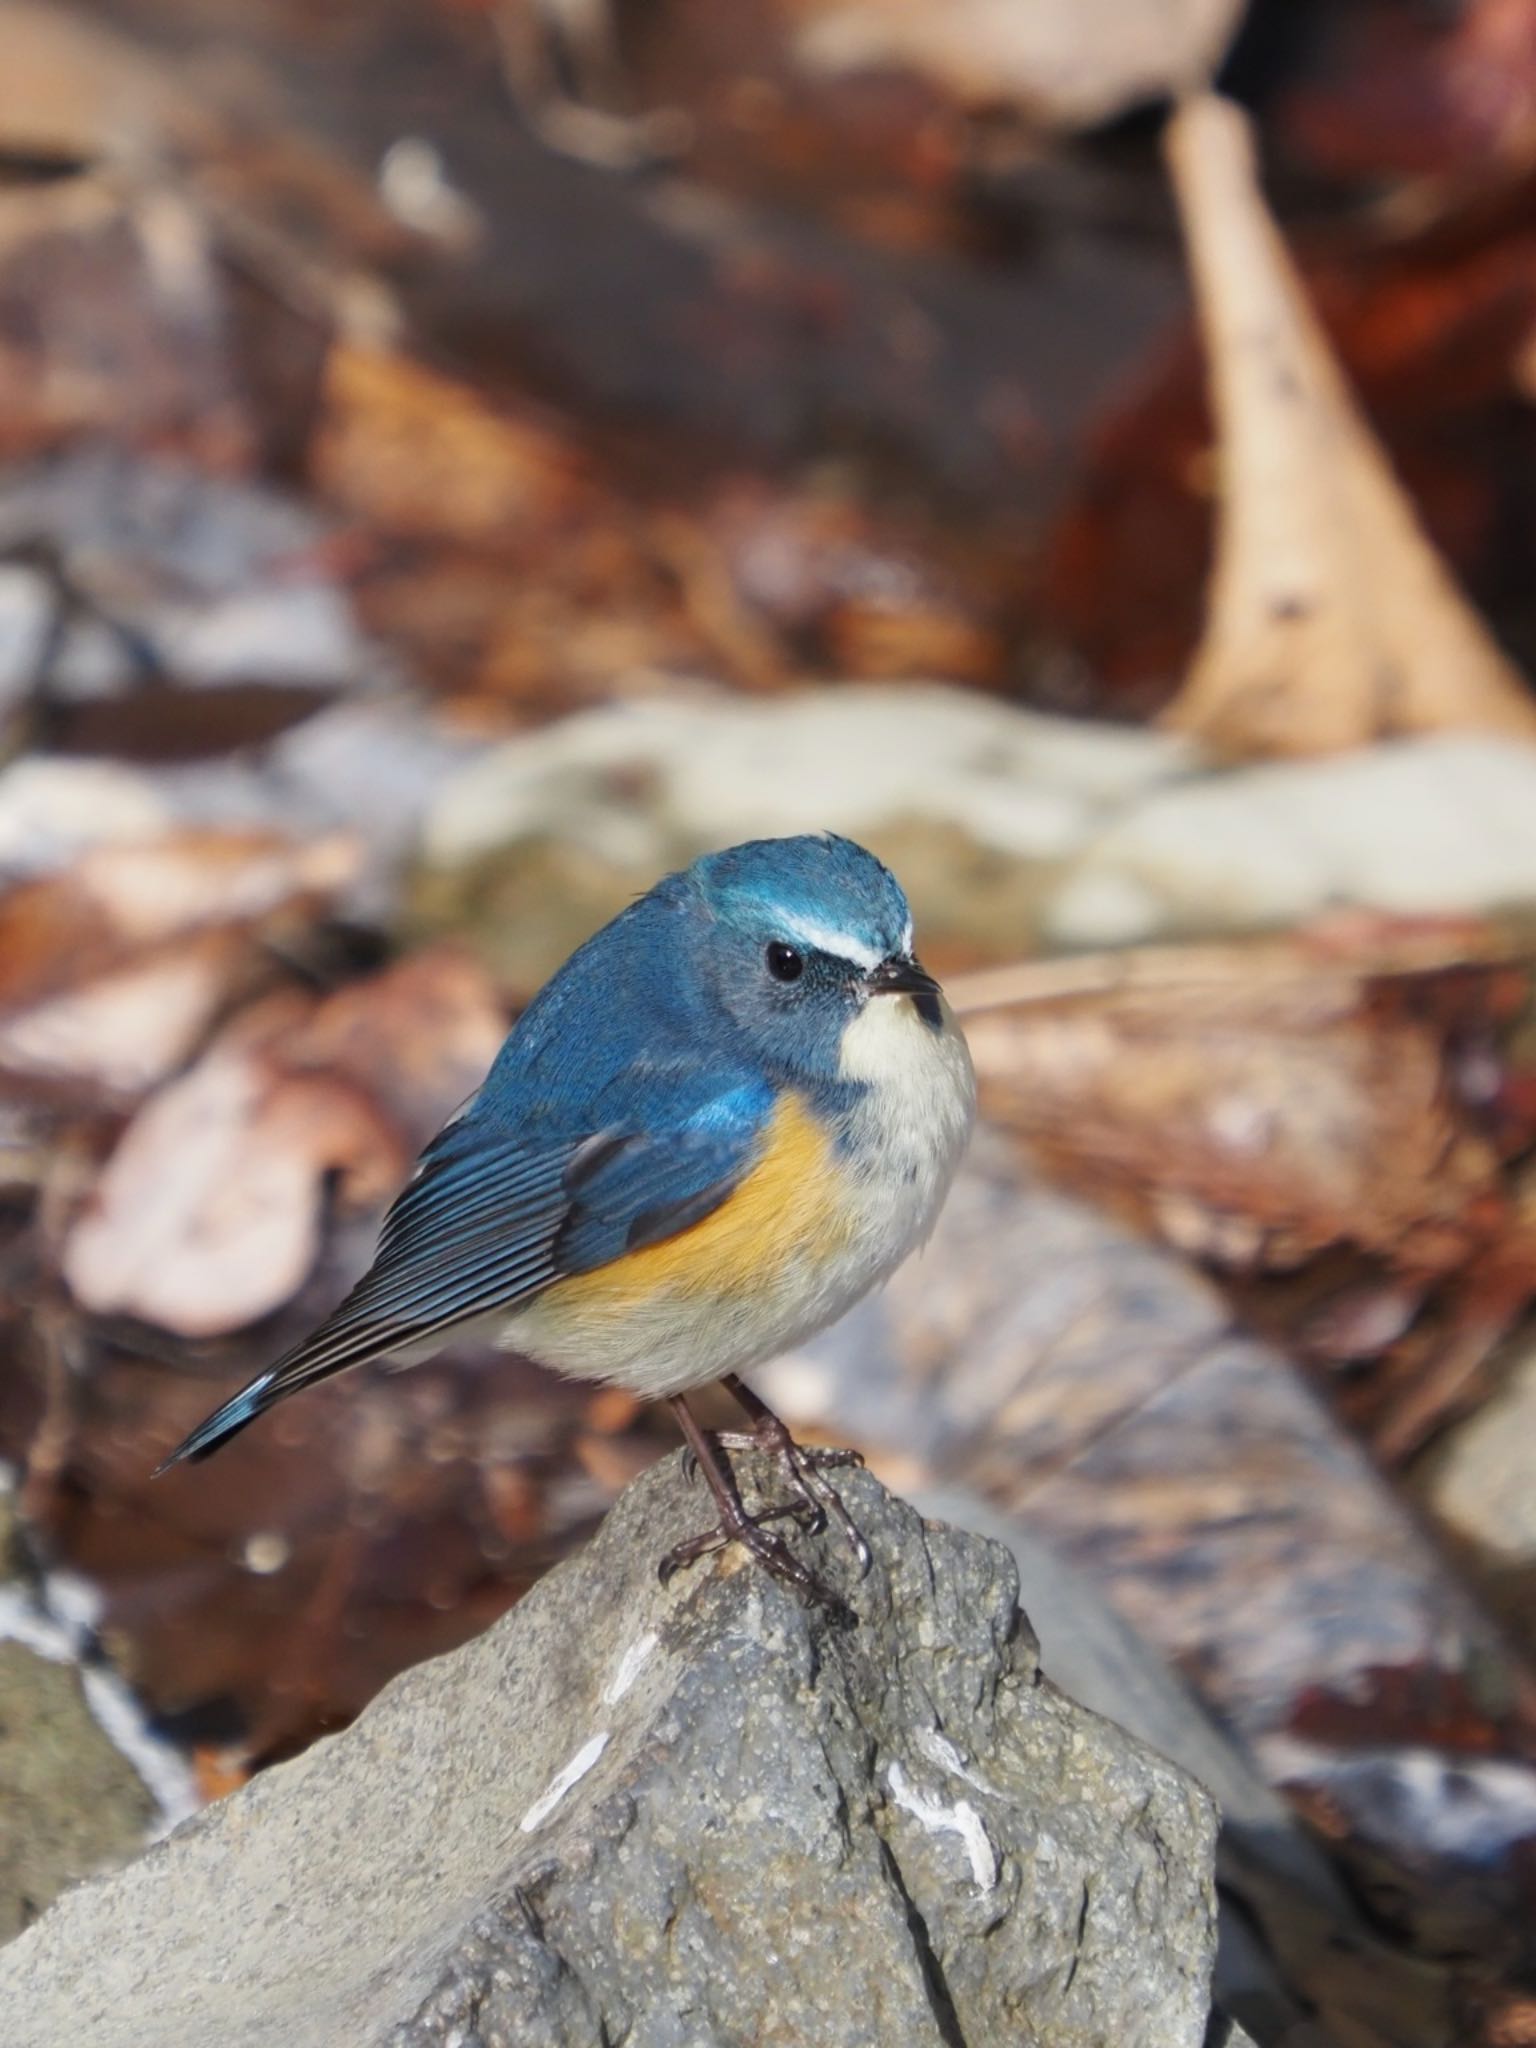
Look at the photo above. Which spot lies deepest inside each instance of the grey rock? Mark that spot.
(977, 803)
(699, 1816)
(70, 1802)
(1440, 823)
(198, 567)
(1480, 1482)
(708, 768)
(1015, 831)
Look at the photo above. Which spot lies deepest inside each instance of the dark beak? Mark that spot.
(901, 975)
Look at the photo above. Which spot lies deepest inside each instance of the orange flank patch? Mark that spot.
(788, 1206)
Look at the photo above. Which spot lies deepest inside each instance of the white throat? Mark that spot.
(915, 1116)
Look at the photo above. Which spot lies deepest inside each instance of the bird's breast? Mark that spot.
(828, 1208)
(790, 1206)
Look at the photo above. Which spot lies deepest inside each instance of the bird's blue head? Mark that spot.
(797, 937)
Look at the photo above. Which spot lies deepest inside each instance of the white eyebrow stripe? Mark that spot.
(821, 938)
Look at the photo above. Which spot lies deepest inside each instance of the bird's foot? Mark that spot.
(804, 1467)
(704, 1458)
(770, 1550)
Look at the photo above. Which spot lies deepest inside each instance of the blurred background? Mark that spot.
(461, 458)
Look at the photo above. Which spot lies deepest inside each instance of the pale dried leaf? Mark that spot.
(1332, 620)
(208, 1215)
(61, 933)
(1253, 1125)
(1070, 65)
(71, 88)
(197, 878)
(128, 1029)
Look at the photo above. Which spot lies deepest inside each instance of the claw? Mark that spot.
(815, 1499)
(802, 1466)
(769, 1550)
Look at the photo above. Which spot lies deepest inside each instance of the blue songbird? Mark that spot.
(730, 1114)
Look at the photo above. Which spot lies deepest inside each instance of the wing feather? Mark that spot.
(491, 1217)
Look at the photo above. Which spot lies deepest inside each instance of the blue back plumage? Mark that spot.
(616, 1007)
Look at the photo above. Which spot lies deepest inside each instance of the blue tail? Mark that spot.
(226, 1422)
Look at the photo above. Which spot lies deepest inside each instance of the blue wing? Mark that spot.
(493, 1215)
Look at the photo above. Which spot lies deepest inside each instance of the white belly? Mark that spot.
(903, 1142)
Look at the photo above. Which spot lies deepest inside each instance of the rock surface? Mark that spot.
(977, 803)
(1015, 830)
(70, 1801)
(694, 1815)
(1440, 824)
(1481, 1483)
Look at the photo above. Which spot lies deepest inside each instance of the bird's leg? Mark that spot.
(803, 1465)
(736, 1525)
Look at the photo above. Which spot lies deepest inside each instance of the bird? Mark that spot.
(734, 1111)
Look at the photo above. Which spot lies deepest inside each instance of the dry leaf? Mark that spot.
(209, 1214)
(131, 1026)
(1257, 1125)
(1270, 1110)
(117, 901)
(1332, 620)
(415, 453)
(74, 91)
(112, 971)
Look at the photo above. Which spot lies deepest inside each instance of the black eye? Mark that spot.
(784, 963)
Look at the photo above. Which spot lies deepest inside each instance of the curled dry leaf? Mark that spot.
(75, 92)
(201, 878)
(128, 1027)
(1332, 620)
(209, 1214)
